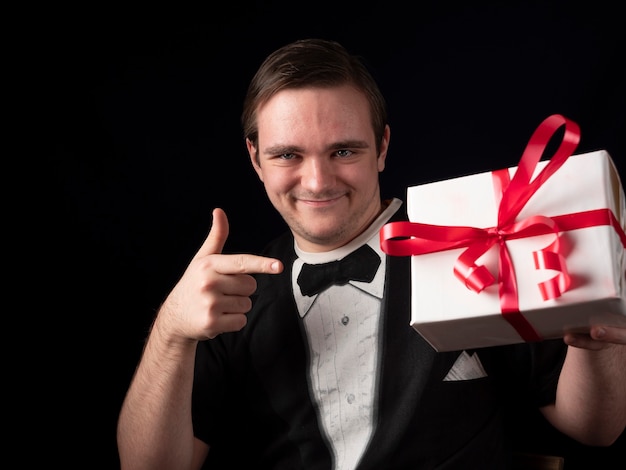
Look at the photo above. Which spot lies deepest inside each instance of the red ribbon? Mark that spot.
(412, 238)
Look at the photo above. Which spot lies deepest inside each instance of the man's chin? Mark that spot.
(327, 234)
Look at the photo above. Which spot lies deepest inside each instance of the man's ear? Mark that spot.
(384, 146)
(254, 158)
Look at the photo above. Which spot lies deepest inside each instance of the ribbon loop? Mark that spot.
(521, 188)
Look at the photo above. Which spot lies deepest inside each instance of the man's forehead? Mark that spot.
(330, 115)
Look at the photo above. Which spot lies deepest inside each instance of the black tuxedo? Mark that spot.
(252, 402)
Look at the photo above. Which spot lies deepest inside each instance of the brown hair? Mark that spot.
(311, 63)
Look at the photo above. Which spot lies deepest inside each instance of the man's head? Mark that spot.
(316, 132)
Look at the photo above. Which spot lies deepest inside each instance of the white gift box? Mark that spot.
(450, 316)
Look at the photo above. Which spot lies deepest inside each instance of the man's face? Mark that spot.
(318, 162)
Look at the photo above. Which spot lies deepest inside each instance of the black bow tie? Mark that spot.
(360, 265)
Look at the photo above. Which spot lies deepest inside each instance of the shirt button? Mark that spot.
(350, 398)
(345, 320)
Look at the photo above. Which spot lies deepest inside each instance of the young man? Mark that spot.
(252, 364)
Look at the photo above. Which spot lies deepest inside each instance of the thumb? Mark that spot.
(218, 234)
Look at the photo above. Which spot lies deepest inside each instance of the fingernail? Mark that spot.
(275, 265)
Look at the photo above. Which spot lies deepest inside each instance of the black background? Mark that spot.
(144, 111)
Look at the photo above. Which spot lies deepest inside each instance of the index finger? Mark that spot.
(243, 263)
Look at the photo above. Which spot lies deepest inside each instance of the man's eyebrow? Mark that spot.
(360, 144)
(282, 149)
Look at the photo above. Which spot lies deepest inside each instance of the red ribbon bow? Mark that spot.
(411, 238)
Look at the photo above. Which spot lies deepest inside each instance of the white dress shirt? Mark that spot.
(342, 325)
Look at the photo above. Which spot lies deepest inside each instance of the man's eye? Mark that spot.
(287, 156)
(344, 153)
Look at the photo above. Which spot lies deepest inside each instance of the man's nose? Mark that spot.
(318, 174)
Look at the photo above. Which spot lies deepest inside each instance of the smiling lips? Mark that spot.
(323, 201)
